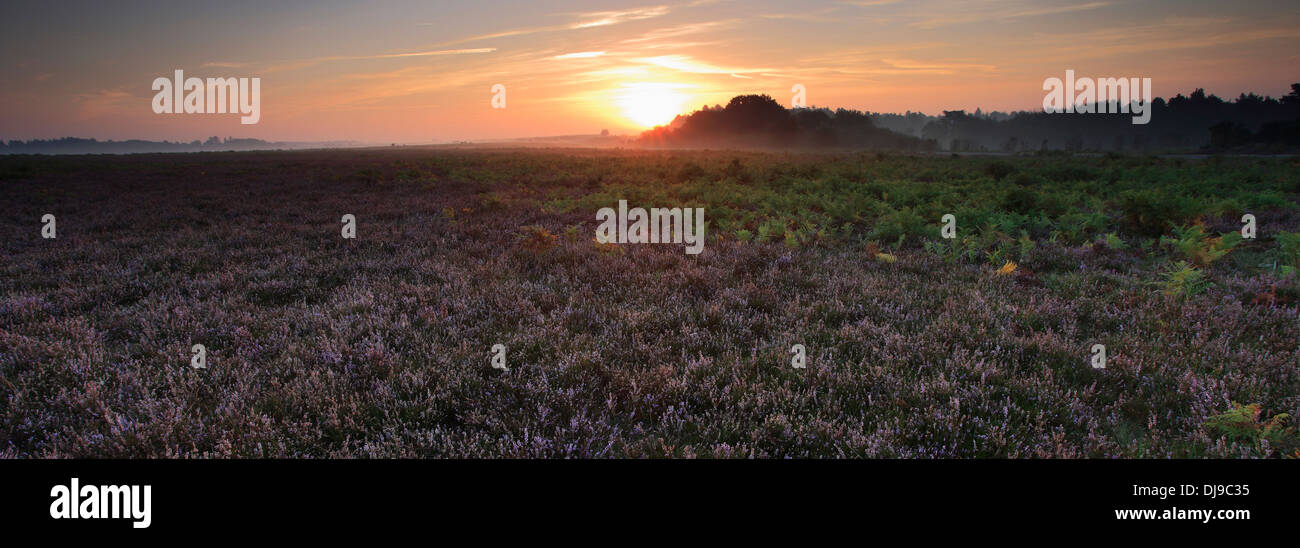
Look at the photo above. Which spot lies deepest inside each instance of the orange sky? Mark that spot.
(420, 72)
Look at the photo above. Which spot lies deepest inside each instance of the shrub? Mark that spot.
(999, 170)
(1183, 280)
(737, 171)
(536, 238)
(1192, 242)
(1288, 248)
(1020, 200)
(1066, 173)
(770, 229)
(1114, 242)
(1025, 179)
(1286, 258)
(897, 225)
(690, 171)
(1151, 212)
(1242, 424)
(1080, 226)
(492, 201)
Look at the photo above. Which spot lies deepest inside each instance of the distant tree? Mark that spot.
(758, 120)
(1292, 98)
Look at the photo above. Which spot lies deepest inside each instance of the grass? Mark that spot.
(917, 346)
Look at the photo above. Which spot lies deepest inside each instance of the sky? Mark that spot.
(424, 71)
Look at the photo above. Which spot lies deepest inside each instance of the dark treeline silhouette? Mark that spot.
(1196, 123)
(76, 145)
(759, 121)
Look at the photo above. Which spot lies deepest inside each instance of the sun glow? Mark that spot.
(651, 104)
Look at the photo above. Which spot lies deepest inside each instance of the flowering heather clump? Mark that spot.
(378, 346)
(536, 238)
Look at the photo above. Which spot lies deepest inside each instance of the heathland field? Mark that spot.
(982, 345)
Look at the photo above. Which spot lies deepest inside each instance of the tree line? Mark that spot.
(1198, 122)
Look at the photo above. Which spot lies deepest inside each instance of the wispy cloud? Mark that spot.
(104, 102)
(819, 17)
(580, 21)
(602, 18)
(410, 54)
(686, 63)
(977, 12)
(675, 31)
(580, 55)
(1149, 39)
(294, 65)
(937, 67)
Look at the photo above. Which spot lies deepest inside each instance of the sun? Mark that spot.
(650, 104)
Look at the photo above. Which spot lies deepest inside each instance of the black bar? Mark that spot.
(234, 497)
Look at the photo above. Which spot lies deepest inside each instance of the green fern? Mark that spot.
(1193, 243)
(1183, 280)
(1241, 423)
